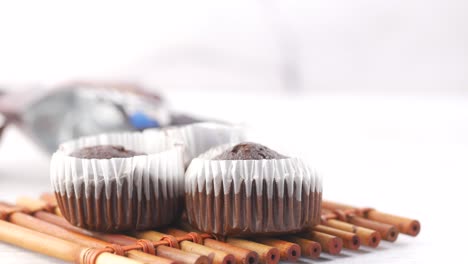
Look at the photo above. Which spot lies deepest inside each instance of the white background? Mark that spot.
(373, 93)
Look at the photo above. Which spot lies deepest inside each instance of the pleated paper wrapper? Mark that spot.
(200, 137)
(120, 194)
(246, 197)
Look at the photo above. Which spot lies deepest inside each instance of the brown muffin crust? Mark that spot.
(104, 152)
(249, 151)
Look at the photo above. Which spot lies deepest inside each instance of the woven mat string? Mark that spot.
(147, 246)
(90, 255)
(172, 240)
(116, 249)
(195, 237)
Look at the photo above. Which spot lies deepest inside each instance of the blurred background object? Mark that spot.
(77, 109)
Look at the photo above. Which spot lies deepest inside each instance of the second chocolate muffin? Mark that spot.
(249, 189)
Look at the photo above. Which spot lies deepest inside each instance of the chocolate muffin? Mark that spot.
(249, 151)
(104, 152)
(249, 189)
(108, 183)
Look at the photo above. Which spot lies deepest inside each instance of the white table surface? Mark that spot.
(403, 155)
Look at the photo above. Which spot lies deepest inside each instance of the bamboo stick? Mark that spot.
(336, 206)
(106, 258)
(405, 225)
(242, 255)
(350, 240)
(219, 256)
(267, 254)
(49, 198)
(52, 201)
(368, 237)
(33, 205)
(215, 256)
(36, 224)
(76, 237)
(388, 232)
(186, 258)
(62, 222)
(288, 251)
(38, 242)
(161, 251)
(6, 209)
(52, 246)
(330, 244)
(309, 248)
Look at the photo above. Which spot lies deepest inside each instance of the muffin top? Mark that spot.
(249, 151)
(104, 152)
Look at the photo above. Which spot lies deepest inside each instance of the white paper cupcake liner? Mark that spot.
(241, 186)
(154, 178)
(200, 137)
(203, 171)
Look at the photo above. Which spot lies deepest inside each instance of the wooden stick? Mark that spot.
(106, 258)
(368, 237)
(350, 240)
(162, 251)
(336, 206)
(215, 256)
(81, 239)
(33, 204)
(6, 209)
(388, 232)
(49, 198)
(242, 255)
(186, 258)
(330, 244)
(288, 251)
(220, 255)
(36, 224)
(309, 248)
(267, 254)
(405, 225)
(52, 246)
(53, 230)
(38, 242)
(52, 201)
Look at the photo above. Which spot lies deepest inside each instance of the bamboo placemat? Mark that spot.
(37, 225)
